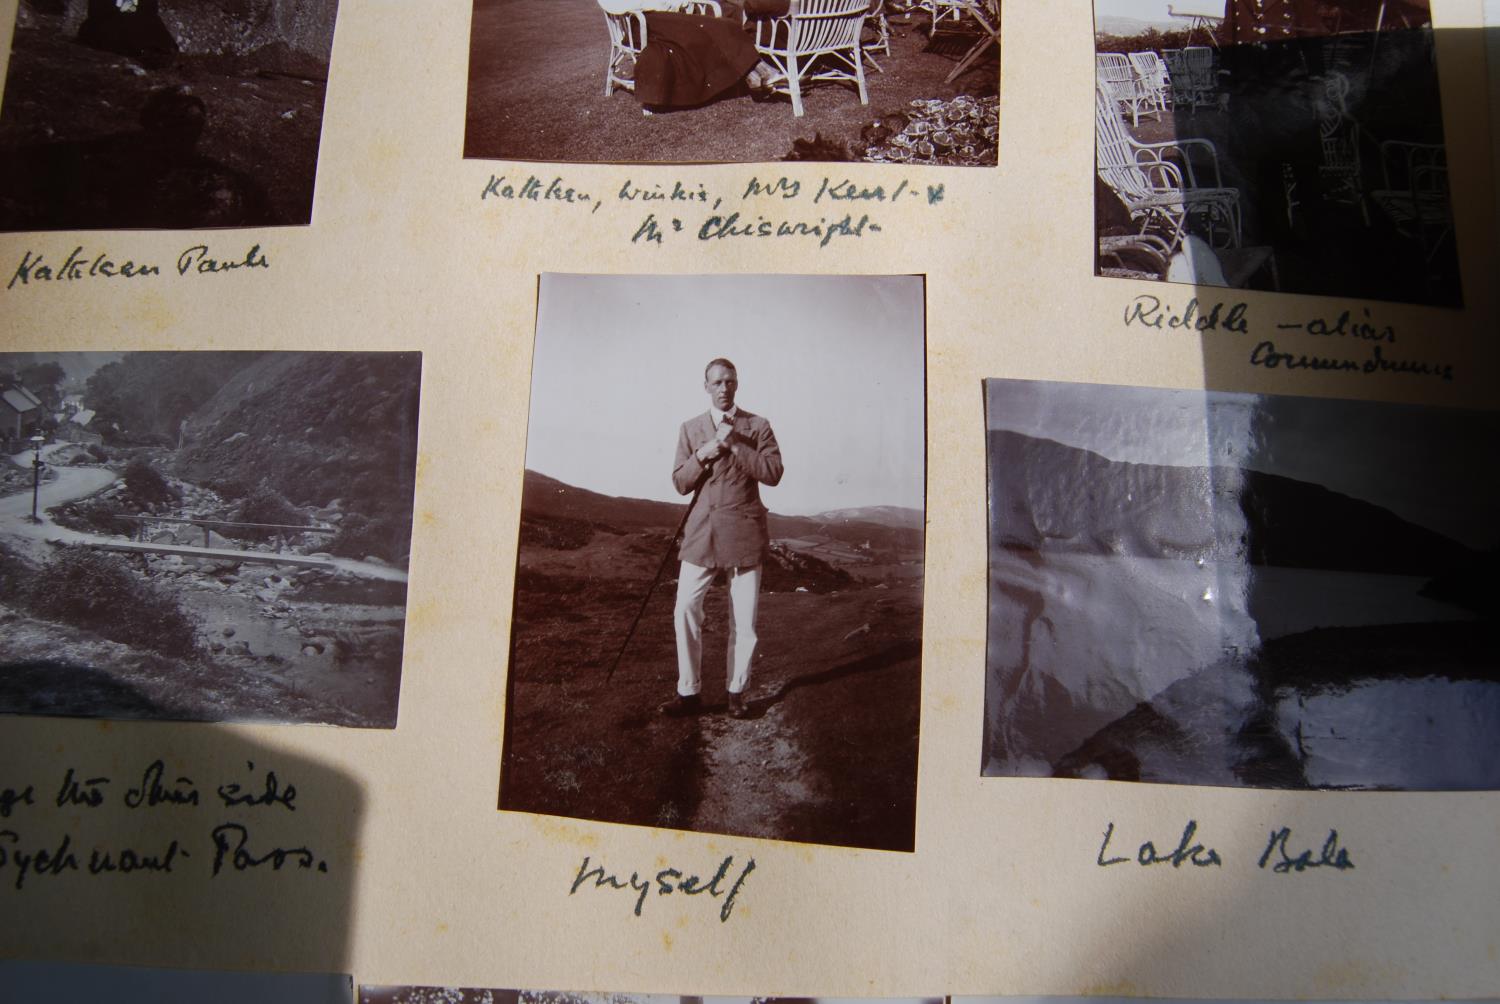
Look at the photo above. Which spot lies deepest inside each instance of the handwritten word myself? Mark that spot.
(667, 882)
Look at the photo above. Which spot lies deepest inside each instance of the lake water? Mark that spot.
(1078, 640)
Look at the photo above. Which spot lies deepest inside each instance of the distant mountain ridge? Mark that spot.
(886, 527)
(1049, 495)
(1126, 27)
(896, 516)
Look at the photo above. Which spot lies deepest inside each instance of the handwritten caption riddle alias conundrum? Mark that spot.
(1352, 341)
(766, 210)
(224, 847)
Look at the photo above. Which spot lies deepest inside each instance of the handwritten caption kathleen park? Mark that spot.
(83, 264)
(1353, 341)
(765, 209)
(215, 838)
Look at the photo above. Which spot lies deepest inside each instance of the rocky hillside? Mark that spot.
(314, 426)
(1047, 495)
(219, 27)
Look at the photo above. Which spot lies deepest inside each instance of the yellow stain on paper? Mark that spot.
(564, 833)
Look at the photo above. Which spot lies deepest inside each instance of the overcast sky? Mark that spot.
(1429, 465)
(834, 363)
(1156, 10)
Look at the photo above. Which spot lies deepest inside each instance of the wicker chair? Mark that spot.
(1158, 183)
(820, 42)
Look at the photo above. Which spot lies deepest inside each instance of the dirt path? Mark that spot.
(269, 653)
(74, 483)
(71, 483)
(754, 773)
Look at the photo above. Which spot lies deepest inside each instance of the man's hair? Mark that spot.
(720, 362)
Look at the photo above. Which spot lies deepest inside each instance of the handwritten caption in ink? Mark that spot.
(1353, 341)
(667, 882)
(81, 265)
(691, 211)
(1282, 855)
(225, 847)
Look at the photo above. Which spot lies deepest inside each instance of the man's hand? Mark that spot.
(711, 451)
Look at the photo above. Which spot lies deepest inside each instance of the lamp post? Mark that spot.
(36, 473)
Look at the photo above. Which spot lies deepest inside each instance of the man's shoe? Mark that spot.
(681, 706)
(737, 706)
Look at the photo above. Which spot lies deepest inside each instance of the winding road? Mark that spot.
(74, 483)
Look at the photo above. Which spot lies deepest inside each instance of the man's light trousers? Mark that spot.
(744, 601)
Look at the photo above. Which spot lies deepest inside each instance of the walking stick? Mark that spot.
(665, 558)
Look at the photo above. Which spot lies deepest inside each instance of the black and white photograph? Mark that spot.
(1293, 145)
(63, 983)
(462, 995)
(163, 114)
(735, 81)
(1240, 590)
(717, 619)
(206, 536)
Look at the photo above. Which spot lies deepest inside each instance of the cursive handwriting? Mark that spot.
(77, 265)
(196, 259)
(721, 227)
(152, 792)
(10, 798)
(533, 190)
(787, 188)
(631, 192)
(271, 793)
(667, 881)
(44, 861)
(1266, 355)
(75, 792)
(1331, 856)
(232, 842)
(1149, 311)
(1187, 852)
(1345, 327)
(128, 861)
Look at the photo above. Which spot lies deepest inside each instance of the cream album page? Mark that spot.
(575, 500)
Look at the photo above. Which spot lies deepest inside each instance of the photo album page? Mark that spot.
(657, 501)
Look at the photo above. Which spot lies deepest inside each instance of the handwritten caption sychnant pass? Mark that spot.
(215, 830)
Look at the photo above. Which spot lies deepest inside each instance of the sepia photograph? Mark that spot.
(163, 114)
(735, 81)
(717, 619)
(461, 995)
(1294, 146)
(206, 536)
(1240, 590)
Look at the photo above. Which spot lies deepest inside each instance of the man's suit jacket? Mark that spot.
(727, 528)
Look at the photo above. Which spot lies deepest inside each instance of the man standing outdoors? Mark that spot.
(725, 454)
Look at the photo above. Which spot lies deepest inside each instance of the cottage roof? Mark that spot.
(20, 399)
